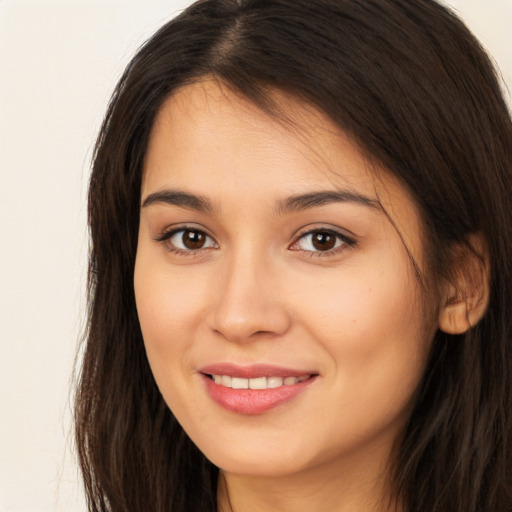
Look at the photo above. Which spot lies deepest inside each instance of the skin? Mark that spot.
(259, 291)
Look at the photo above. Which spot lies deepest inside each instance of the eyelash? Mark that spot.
(342, 241)
(346, 241)
(165, 239)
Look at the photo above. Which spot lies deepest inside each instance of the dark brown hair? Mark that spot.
(411, 85)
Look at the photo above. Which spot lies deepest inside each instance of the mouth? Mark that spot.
(271, 382)
(256, 389)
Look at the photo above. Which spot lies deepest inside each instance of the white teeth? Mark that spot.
(237, 383)
(274, 382)
(258, 382)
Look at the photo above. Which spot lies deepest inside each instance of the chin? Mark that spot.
(257, 465)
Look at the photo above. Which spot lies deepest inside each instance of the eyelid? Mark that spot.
(348, 241)
(165, 237)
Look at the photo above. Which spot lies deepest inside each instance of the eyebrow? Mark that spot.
(178, 198)
(315, 199)
(291, 204)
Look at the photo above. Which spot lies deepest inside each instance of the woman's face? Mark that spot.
(280, 312)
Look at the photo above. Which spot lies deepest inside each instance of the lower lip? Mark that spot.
(253, 401)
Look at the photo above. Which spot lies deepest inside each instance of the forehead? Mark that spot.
(208, 120)
(210, 141)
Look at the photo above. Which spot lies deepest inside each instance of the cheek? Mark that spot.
(363, 304)
(168, 306)
(371, 324)
(165, 300)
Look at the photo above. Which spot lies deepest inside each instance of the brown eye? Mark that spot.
(323, 241)
(193, 239)
(189, 240)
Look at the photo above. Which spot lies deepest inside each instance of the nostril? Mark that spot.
(261, 333)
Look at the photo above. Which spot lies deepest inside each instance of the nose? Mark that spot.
(249, 302)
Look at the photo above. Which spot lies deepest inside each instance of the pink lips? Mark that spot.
(253, 401)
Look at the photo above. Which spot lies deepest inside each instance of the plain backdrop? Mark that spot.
(59, 61)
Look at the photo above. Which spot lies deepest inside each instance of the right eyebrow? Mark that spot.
(179, 198)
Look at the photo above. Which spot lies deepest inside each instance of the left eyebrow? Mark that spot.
(315, 199)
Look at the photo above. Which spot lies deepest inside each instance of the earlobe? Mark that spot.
(466, 298)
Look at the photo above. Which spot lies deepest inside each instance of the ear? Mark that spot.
(465, 298)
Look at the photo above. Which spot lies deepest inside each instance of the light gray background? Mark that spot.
(59, 61)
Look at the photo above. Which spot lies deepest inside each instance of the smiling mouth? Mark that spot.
(258, 382)
(254, 390)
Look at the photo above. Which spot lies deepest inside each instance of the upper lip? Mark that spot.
(253, 371)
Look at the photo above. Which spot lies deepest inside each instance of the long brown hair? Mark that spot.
(409, 83)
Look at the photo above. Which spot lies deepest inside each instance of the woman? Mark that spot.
(300, 275)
